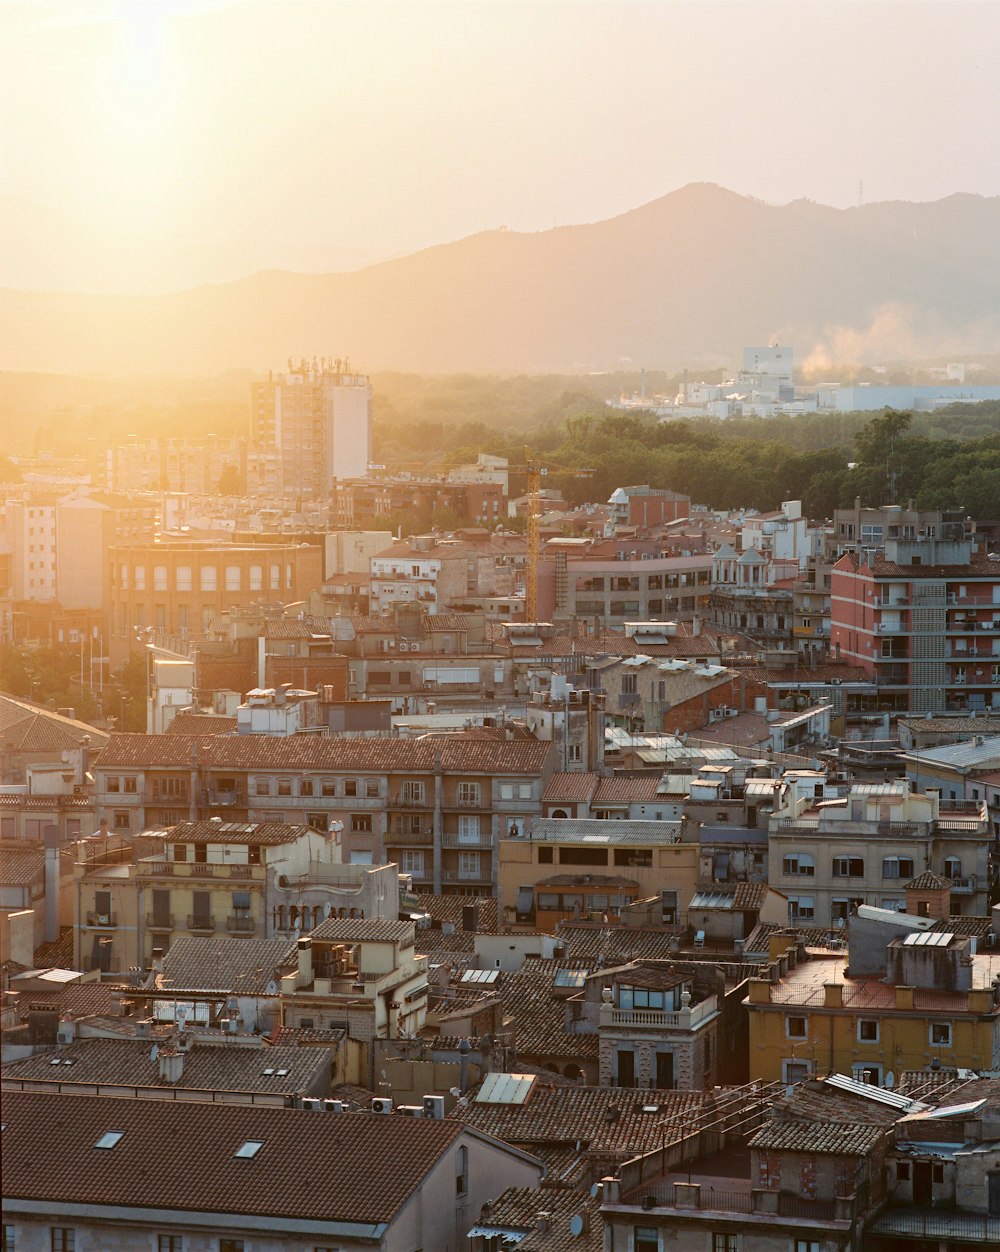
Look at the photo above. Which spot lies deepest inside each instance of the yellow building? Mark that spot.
(637, 859)
(935, 1005)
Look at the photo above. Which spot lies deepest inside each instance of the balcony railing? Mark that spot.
(403, 800)
(205, 924)
(198, 869)
(237, 924)
(409, 839)
(160, 921)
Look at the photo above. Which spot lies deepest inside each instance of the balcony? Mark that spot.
(409, 839)
(160, 921)
(237, 924)
(204, 925)
(102, 921)
(219, 799)
(949, 1228)
(197, 869)
(481, 875)
(483, 840)
(404, 800)
(659, 1019)
(964, 886)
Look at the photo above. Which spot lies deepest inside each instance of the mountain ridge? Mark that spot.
(691, 275)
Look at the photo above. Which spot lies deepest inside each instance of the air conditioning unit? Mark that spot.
(381, 1104)
(313, 1105)
(411, 1110)
(434, 1107)
(103, 919)
(79, 789)
(334, 1106)
(732, 712)
(403, 647)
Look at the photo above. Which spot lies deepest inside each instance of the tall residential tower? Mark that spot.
(308, 427)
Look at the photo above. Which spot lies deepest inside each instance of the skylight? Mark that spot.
(249, 1148)
(109, 1139)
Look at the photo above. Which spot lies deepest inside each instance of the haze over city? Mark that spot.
(155, 146)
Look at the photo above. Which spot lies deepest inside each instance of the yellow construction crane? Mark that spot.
(536, 472)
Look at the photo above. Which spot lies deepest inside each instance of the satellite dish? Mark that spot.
(890, 1080)
(154, 1052)
(576, 1224)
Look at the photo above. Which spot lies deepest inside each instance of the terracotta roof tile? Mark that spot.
(20, 867)
(566, 788)
(245, 966)
(371, 1165)
(836, 1139)
(249, 752)
(363, 930)
(206, 1068)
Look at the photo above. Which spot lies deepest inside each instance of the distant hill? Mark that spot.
(685, 280)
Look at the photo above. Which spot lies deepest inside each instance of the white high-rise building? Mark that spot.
(308, 427)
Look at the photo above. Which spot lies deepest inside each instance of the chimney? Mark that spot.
(305, 962)
(833, 995)
(904, 997)
(50, 836)
(171, 1063)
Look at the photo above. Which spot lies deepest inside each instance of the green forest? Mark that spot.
(949, 458)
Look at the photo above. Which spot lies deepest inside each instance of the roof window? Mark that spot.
(109, 1139)
(248, 1149)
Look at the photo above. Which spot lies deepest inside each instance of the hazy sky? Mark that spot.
(154, 144)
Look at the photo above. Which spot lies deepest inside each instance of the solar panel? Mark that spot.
(505, 1088)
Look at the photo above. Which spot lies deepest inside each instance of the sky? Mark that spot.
(152, 145)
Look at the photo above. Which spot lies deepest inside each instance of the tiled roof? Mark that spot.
(520, 1208)
(371, 1166)
(262, 752)
(258, 834)
(606, 1120)
(837, 1139)
(962, 926)
(602, 946)
(201, 724)
(451, 909)
(537, 1018)
(928, 881)
(30, 728)
(364, 930)
(209, 1067)
(609, 831)
(58, 954)
(627, 789)
(243, 966)
(20, 867)
(80, 999)
(978, 567)
(965, 725)
(568, 788)
(584, 880)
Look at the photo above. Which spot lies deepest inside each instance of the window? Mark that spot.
(183, 577)
(868, 1030)
(247, 1150)
(848, 867)
(159, 578)
(629, 684)
(468, 793)
(262, 787)
(8, 1238)
(575, 752)
(361, 823)
(114, 784)
(284, 786)
(305, 787)
(468, 864)
(952, 867)
(801, 864)
(506, 791)
(796, 1027)
(801, 908)
(897, 867)
(129, 786)
(645, 1239)
(232, 578)
(902, 1171)
(462, 1171)
(140, 578)
(524, 791)
(350, 786)
(371, 788)
(63, 1239)
(412, 862)
(412, 793)
(209, 578)
(256, 578)
(939, 1034)
(109, 1139)
(807, 1245)
(316, 821)
(468, 828)
(169, 1243)
(120, 820)
(725, 1243)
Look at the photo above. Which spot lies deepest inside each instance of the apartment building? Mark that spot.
(912, 996)
(436, 807)
(178, 588)
(831, 856)
(439, 575)
(864, 530)
(618, 582)
(308, 427)
(371, 502)
(205, 878)
(193, 466)
(923, 621)
(604, 865)
(647, 507)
